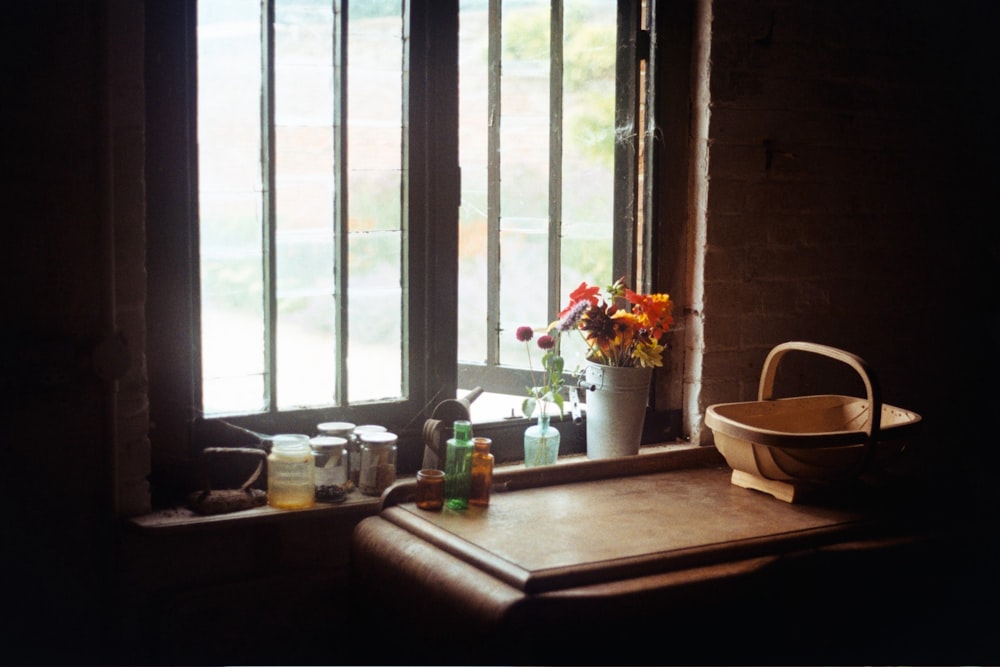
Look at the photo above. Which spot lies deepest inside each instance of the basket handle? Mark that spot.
(874, 394)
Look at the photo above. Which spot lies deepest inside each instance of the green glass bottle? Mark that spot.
(458, 466)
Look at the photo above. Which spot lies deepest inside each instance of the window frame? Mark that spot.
(172, 210)
(178, 433)
(631, 241)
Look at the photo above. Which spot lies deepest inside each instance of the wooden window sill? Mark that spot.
(572, 467)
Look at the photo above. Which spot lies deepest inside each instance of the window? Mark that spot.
(334, 269)
(302, 180)
(551, 147)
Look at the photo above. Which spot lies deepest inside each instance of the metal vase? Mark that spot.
(616, 409)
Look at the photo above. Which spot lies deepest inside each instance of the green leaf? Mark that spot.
(558, 400)
(528, 406)
(555, 365)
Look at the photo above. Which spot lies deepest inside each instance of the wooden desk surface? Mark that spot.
(556, 537)
(557, 570)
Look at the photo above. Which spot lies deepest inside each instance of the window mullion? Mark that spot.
(645, 277)
(626, 143)
(555, 157)
(339, 222)
(493, 189)
(268, 203)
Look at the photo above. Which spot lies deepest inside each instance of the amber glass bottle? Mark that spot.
(482, 472)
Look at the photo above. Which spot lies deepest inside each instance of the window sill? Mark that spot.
(183, 518)
(570, 467)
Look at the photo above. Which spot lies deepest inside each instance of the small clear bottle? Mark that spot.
(354, 447)
(482, 472)
(330, 474)
(541, 443)
(290, 475)
(378, 462)
(458, 466)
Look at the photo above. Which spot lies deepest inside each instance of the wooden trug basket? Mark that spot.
(786, 447)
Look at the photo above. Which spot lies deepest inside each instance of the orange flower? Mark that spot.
(653, 310)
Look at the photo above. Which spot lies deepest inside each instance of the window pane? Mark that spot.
(579, 187)
(473, 73)
(304, 204)
(588, 151)
(524, 172)
(376, 120)
(229, 121)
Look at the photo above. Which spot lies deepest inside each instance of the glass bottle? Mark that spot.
(330, 474)
(290, 478)
(430, 489)
(541, 443)
(458, 466)
(482, 472)
(378, 462)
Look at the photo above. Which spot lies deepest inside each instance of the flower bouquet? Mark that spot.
(621, 330)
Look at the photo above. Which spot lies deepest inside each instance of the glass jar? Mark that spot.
(354, 447)
(378, 462)
(341, 430)
(482, 472)
(430, 489)
(330, 467)
(290, 475)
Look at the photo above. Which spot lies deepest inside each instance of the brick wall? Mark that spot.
(841, 198)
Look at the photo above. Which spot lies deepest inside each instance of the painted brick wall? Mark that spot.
(841, 196)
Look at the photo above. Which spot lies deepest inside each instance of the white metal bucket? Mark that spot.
(616, 409)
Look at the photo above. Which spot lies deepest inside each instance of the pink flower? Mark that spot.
(546, 342)
(524, 334)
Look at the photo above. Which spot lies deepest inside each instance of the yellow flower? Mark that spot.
(648, 354)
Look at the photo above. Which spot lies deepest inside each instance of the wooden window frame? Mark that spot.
(178, 432)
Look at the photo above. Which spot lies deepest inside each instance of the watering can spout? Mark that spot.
(469, 398)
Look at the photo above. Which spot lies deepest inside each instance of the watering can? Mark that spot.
(439, 426)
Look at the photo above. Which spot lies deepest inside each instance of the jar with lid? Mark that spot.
(290, 475)
(330, 473)
(354, 447)
(340, 430)
(378, 462)
(482, 472)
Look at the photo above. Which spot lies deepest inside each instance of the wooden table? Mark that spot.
(617, 560)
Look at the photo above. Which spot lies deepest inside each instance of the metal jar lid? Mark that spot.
(327, 443)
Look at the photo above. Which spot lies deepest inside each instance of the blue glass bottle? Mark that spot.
(458, 466)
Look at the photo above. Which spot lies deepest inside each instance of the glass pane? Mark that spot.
(376, 308)
(304, 204)
(588, 151)
(473, 101)
(375, 169)
(230, 217)
(524, 172)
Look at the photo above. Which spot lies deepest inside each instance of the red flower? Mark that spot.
(546, 342)
(524, 334)
(581, 293)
